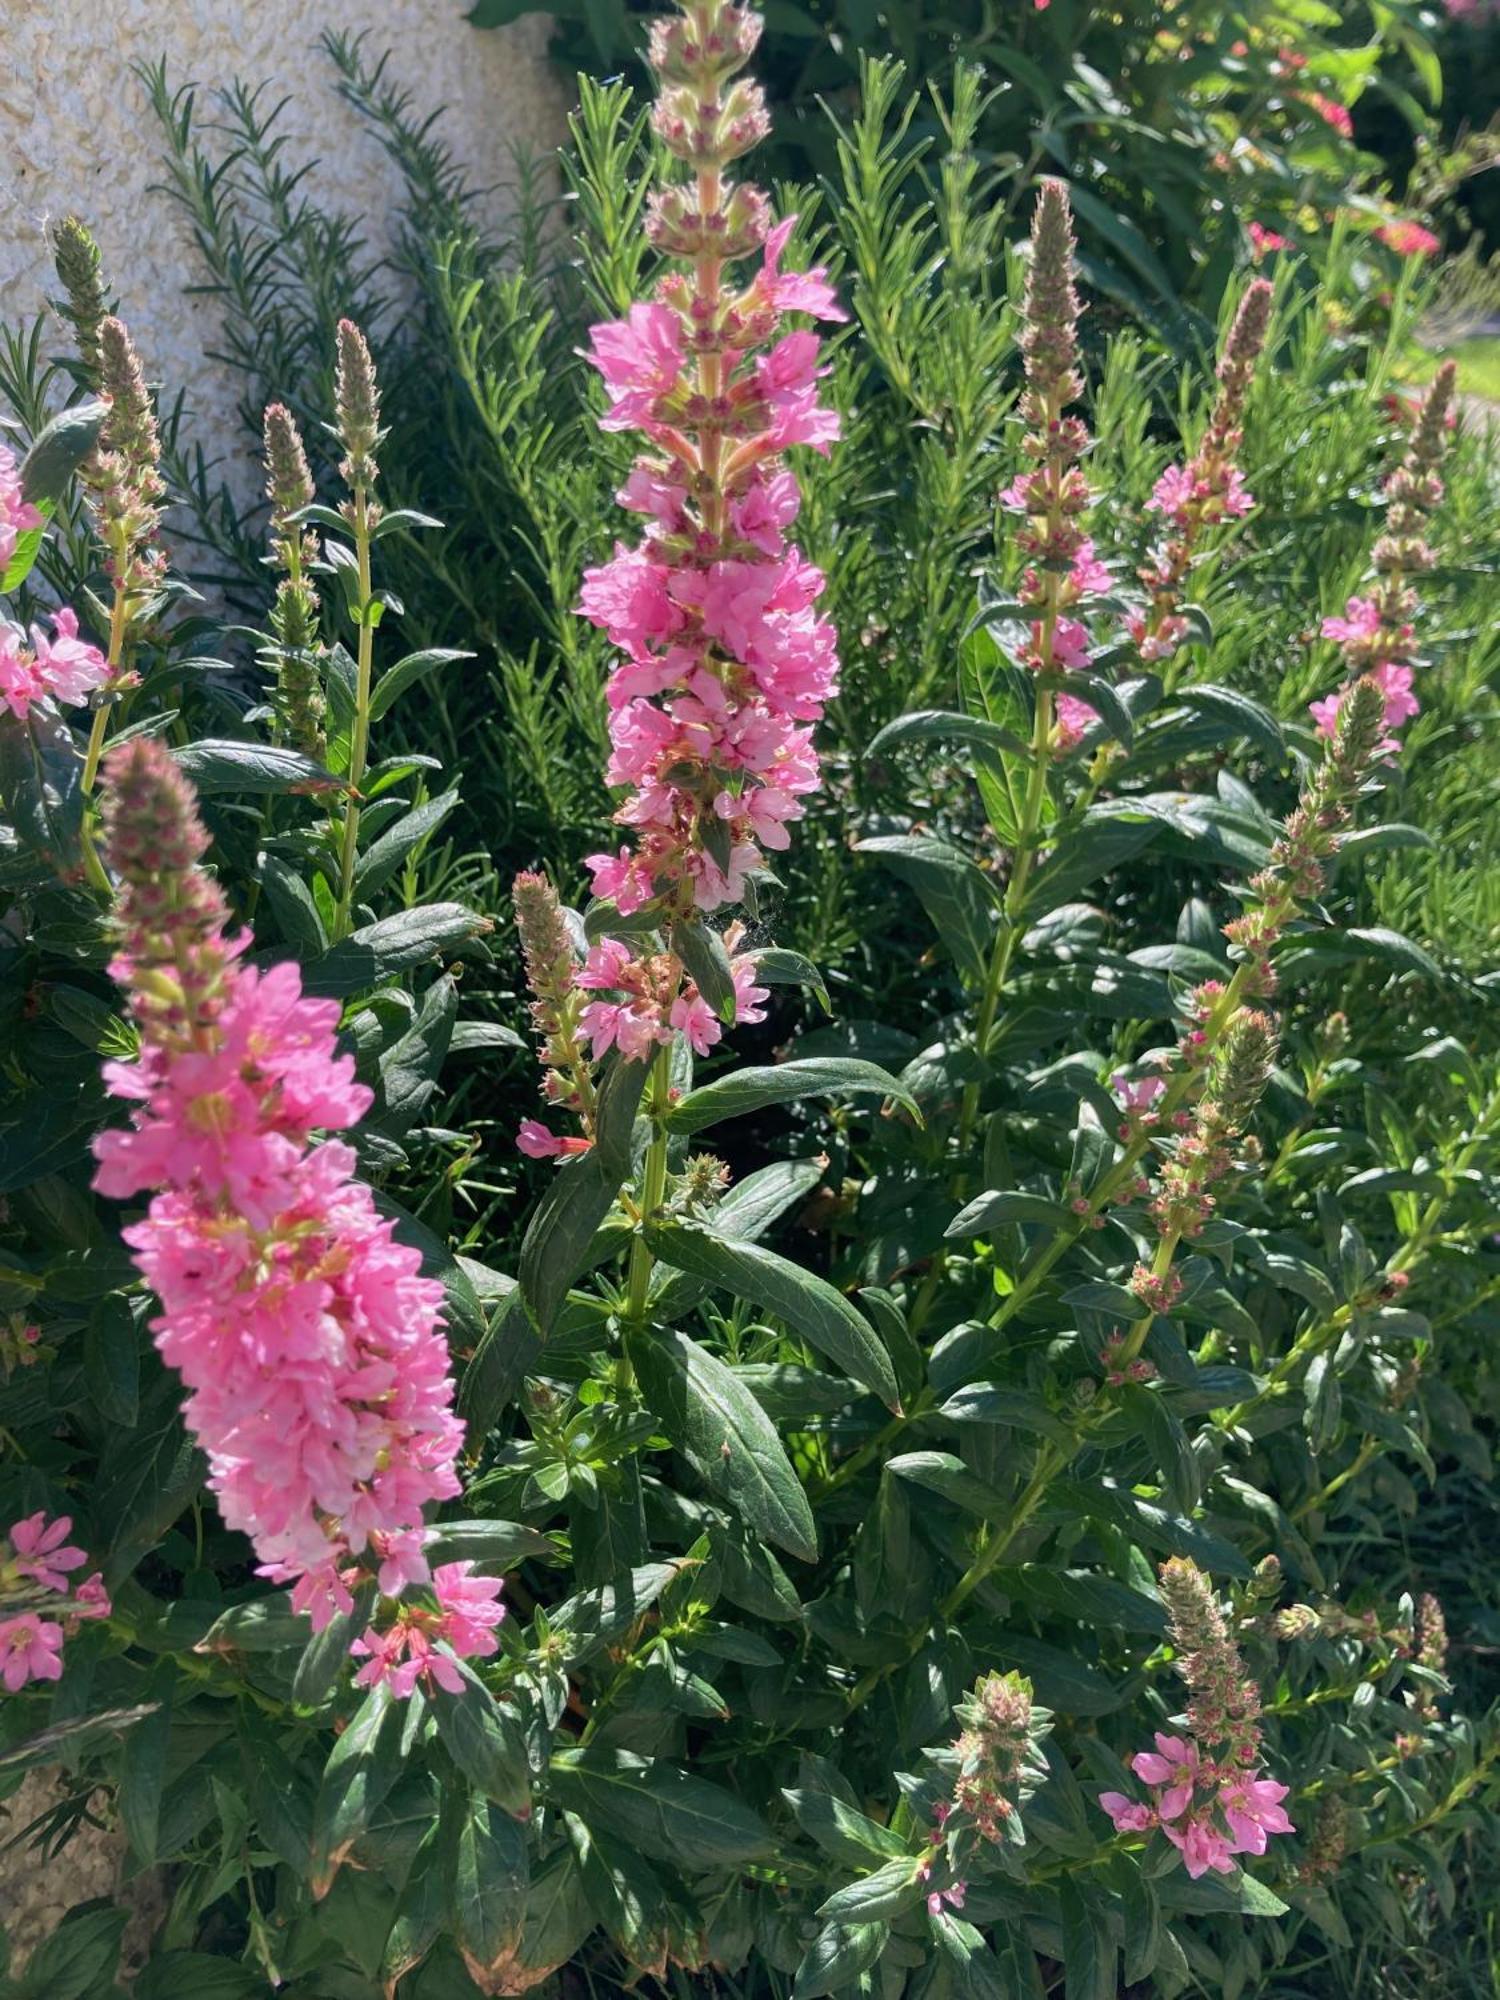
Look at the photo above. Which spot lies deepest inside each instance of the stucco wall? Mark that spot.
(78, 135)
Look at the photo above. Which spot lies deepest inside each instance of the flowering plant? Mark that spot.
(969, 1531)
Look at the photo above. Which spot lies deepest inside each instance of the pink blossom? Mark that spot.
(538, 1143)
(1073, 718)
(628, 598)
(64, 667)
(1408, 239)
(1252, 1809)
(1395, 682)
(1088, 577)
(91, 1599)
(1361, 622)
(955, 1893)
(1129, 1815)
(1263, 241)
(471, 1609)
(1070, 645)
(794, 291)
(40, 1552)
(1331, 112)
(1202, 1847)
(1174, 1765)
(17, 515)
(30, 1650)
(640, 358)
(1138, 1095)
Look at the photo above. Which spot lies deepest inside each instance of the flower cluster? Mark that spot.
(1205, 1794)
(612, 997)
(410, 1649)
(725, 663)
(1239, 1071)
(64, 668)
(1063, 572)
(40, 1605)
(17, 515)
(310, 1345)
(995, 1764)
(1376, 632)
(1208, 490)
(122, 475)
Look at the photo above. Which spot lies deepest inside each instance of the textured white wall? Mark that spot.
(78, 135)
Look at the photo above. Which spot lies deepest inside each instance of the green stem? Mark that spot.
(360, 743)
(653, 1188)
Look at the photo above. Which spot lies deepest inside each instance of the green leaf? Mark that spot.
(941, 1472)
(395, 681)
(1107, 836)
(560, 1235)
(222, 764)
(508, 1350)
(663, 1812)
(722, 1431)
(809, 1305)
(196, 1975)
(600, 1616)
(424, 1908)
(493, 1545)
(326, 1653)
(264, 1625)
(844, 1833)
(748, 1090)
(48, 1745)
(143, 1771)
(490, 1881)
(41, 783)
(279, 1793)
(112, 1361)
(364, 1764)
(1168, 1442)
(1239, 715)
(484, 1740)
(988, 1211)
(836, 1958)
(58, 450)
(385, 855)
(76, 1960)
(945, 726)
(776, 966)
(395, 945)
(951, 889)
(1088, 1954)
(707, 962)
(883, 1894)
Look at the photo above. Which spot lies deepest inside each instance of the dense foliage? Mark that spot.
(981, 1408)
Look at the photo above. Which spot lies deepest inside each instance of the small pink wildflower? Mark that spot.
(17, 515)
(1408, 239)
(1263, 241)
(41, 1552)
(64, 667)
(30, 1650)
(1330, 111)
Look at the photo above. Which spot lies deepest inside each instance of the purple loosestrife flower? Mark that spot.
(1376, 634)
(1204, 1793)
(1208, 490)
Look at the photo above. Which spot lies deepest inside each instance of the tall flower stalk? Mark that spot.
(294, 616)
(357, 427)
(724, 665)
(309, 1343)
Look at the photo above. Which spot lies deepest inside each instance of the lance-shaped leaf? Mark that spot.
(715, 1421)
(951, 889)
(557, 1243)
(365, 1763)
(221, 764)
(941, 725)
(751, 1089)
(490, 1880)
(59, 448)
(485, 1741)
(702, 952)
(808, 1304)
(663, 1812)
